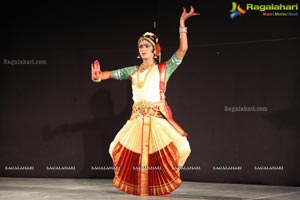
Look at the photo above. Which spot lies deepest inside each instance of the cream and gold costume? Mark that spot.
(151, 147)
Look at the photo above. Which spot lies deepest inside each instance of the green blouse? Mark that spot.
(124, 73)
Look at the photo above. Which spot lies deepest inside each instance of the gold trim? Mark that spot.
(141, 182)
(148, 104)
(140, 83)
(146, 109)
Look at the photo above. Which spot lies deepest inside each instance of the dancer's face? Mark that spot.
(146, 49)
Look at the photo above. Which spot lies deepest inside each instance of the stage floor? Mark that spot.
(86, 189)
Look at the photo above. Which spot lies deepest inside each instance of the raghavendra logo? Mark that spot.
(269, 7)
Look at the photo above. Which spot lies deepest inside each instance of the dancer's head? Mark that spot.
(148, 46)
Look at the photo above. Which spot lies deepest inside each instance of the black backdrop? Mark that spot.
(55, 122)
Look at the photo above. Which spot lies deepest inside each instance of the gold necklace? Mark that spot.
(142, 68)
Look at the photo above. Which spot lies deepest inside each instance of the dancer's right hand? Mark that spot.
(95, 70)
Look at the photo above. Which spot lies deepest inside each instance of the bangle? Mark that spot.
(96, 80)
(183, 29)
(99, 79)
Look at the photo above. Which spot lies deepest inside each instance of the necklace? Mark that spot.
(142, 68)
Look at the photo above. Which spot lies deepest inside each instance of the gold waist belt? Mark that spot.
(147, 108)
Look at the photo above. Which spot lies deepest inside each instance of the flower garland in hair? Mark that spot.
(157, 45)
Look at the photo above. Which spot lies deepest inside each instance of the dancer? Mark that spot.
(151, 147)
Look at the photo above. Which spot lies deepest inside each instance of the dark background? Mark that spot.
(53, 115)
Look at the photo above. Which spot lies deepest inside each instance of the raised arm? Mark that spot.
(97, 75)
(183, 41)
